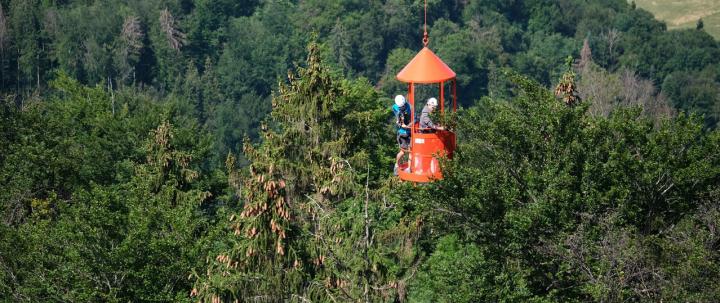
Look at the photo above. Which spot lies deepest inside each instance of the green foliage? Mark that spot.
(110, 192)
(564, 204)
(116, 228)
(208, 25)
(536, 60)
(690, 257)
(27, 36)
(453, 273)
(679, 50)
(695, 92)
(250, 45)
(261, 48)
(298, 234)
(471, 53)
(77, 138)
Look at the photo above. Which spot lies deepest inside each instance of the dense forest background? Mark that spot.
(219, 150)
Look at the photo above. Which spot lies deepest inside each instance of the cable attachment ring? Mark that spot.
(425, 39)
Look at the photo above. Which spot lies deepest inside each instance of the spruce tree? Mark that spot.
(304, 229)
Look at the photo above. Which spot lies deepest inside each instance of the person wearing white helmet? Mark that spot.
(401, 111)
(426, 123)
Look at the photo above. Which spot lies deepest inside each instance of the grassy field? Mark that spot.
(685, 13)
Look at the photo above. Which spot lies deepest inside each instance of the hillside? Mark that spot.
(243, 151)
(685, 14)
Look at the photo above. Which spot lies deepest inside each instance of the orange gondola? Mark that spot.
(427, 146)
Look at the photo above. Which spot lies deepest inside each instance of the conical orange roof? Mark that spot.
(426, 67)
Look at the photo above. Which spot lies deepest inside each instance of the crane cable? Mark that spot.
(425, 39)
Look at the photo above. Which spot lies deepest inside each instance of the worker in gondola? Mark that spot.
(426, 124)
(401, 111)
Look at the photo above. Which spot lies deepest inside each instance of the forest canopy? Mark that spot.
(221, 151)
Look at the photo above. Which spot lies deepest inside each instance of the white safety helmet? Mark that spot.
(432, 102)
(399, 100)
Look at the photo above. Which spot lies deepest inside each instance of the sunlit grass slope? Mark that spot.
(685, 13)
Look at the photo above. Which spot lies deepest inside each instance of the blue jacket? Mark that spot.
(402, 116)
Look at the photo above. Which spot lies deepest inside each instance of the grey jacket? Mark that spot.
(425, 121)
